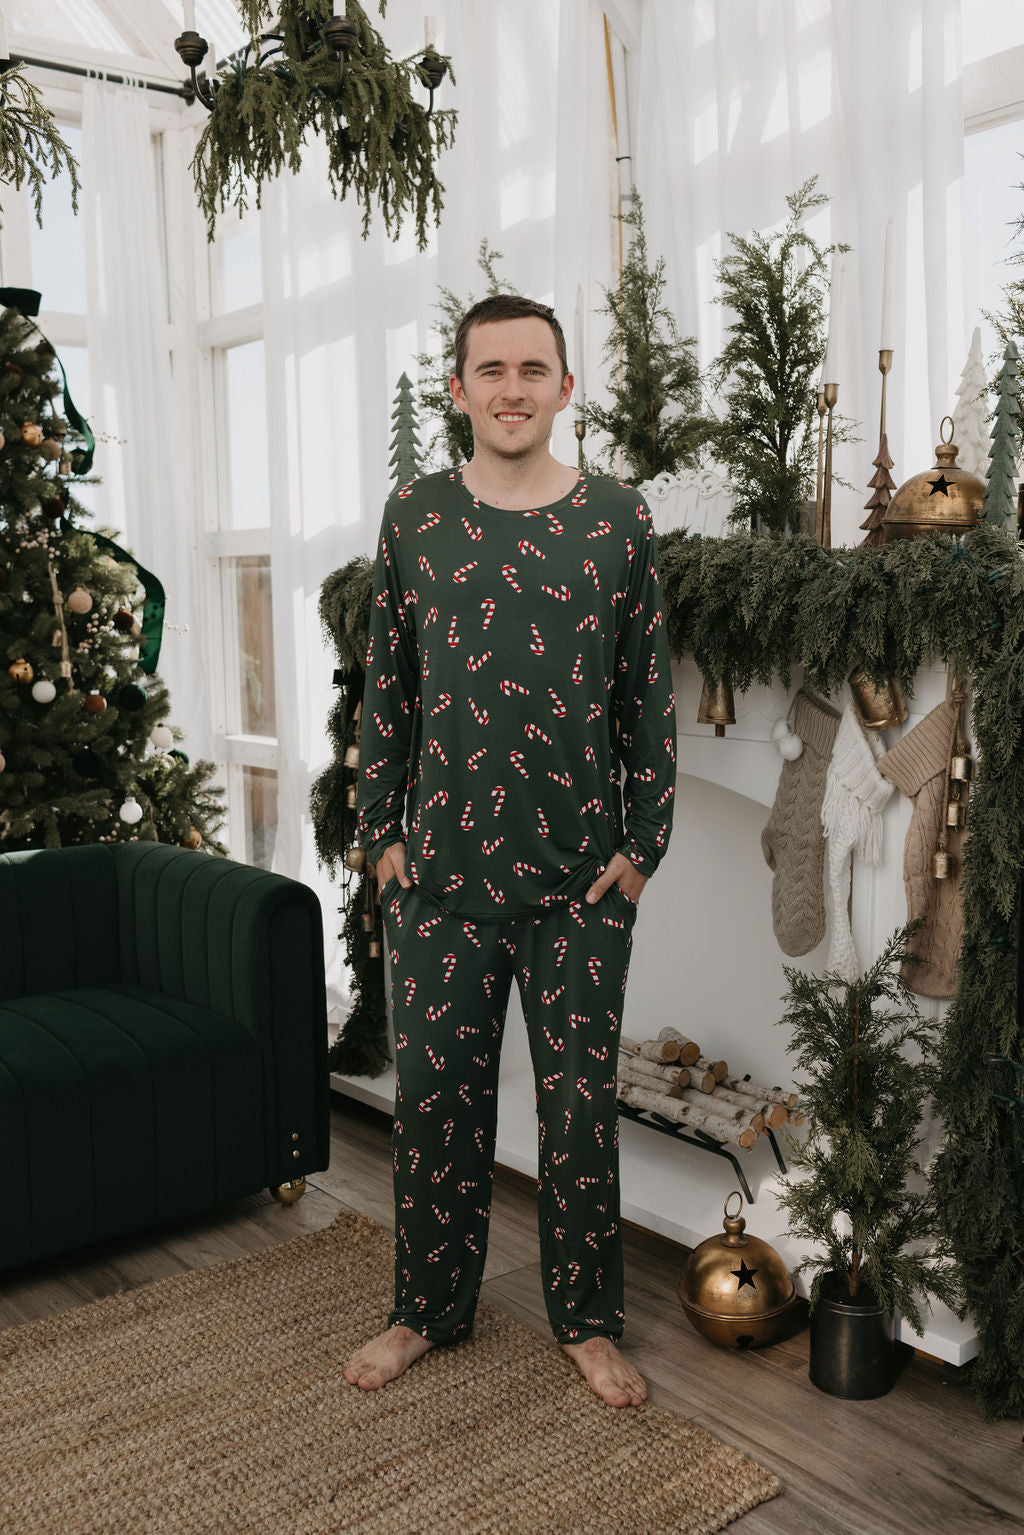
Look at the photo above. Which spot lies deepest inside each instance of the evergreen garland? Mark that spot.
(30, 144)
(381, 143)
(655, 416)
(751, 608)
(776, 286)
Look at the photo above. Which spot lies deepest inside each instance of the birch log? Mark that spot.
(710, 1103)
(660, 1050)
(720, 1069)
(689, 1050)
(756, 1090)
(726, 1131)
(678, 1074)
(752, 1105)
(627, 1077)
(701, 1079)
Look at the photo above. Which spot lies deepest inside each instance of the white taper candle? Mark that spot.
(189, 10)
(581, 392)
(885, 343)
(429, 31)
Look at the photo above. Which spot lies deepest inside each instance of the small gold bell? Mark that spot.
(355, 858)
(352, 755)
(943, 499)
(716, 707)
(879, 707)
(735, 1289)
(962, 769)
(367, 920)
(374, 949)
(942, 864)
(352, 796)
(955, 813)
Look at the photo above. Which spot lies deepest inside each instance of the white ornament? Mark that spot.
(80, 601)
(791, 747)
(131, 811)
(161, 737)
(44, 691)
(780, 729)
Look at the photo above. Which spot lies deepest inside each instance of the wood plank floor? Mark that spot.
(919, 1458)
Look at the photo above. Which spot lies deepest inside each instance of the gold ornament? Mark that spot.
(367, 920)
(374, 948)
(352, 755)
(95, 702)
(944, 499)
(31, 433)
(80, 601)
(194, 838)
(351, 796)
(355, 858)
(716, 707)
(20, 670)
(735, 1289)
(880, 706)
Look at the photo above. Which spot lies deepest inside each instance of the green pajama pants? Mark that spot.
(450, 986)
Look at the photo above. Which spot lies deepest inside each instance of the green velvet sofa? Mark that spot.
(163, 1040)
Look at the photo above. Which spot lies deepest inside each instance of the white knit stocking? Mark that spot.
(851, 818)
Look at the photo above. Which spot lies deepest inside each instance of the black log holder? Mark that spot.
(699, 1139)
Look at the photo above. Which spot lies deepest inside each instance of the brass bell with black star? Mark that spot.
(944, 499)
(735, 1288)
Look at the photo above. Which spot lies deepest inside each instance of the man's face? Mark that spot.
(512, 386)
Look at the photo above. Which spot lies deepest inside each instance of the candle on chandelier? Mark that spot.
(581, 393)
(429, 31)
(886, 340)
(189, 10)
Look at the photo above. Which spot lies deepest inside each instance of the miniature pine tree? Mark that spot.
(864, 1098)
(882, 486)
(76, 707)
(970, 415)
(655, 417)
(1001, 496)
(405, 459)
(452, 442)
(776, 286)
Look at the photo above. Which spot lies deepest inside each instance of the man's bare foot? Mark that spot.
(606, 1372)
(385, 1357)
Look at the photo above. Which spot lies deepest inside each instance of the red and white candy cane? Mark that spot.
(466, 820)
(430, 521)
(385, 680)
(426, 849)
(594, 966)
(547, 997)
(568, 1120)
(644, 775)
(575, 907)
(449, 1130)
(580, 498)
(536, 644)
(469, 929)
(442, 1172)
(496, 895)
(542, 824)
(401, 1041)
(560, 946)
(482, 1061)
(558, 1157)
(585, 1182)
(549, 1082)
(594, 712)
(385, 727)
(431, 618)
(591, 570)
(464, 1093)
(374, 768)
(474, 663)
(414, 1159)
(472, 1245)
(510, 572)
(508, 687)
(462, 574)
(661, 836)
(410, 597)
(466, 1184)
(601, 529)
(434, 1013)
(491, 847)
(560, 1201)
(444, 701)
(424, 928)
(558, 1045)
(518, 761)
(464, 1030)
(664, 798)
(444, 1216)
(599, 1053)
(498, 795)
(487, 608)
(574, 1272)
(478, 1136)
(554, 525)
(613, 922)
(435, 1256)
(525, 547)
(455, 882)
(453, 638)
(655, 622)
(590, 1237)
(426, 1104)
(476, 534)
(590, 622)
(519, 868)
(439, 797)
(590, 754)
(562, 778)
(426, 567)
(575, 1019)
(558, 707)
(577, 669)
(488, 981)
(560, 592)
(435, 749)
(481, 716)
(591, 804)
(652, 670)
(534, 733)
(630, 551)
(437, 1061)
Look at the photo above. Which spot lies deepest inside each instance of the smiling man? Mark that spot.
(517, 664)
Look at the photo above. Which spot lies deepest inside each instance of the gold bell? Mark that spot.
(352, 755)
(944, 499)
(956, 813)
(352, 796)
(735, 1289)
(367, 920)
(879, 706)
(355, 858)
(374, 947)
(942, 864)
(716, 707)
(962, 769)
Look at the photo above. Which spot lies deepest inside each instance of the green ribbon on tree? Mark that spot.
(152, 608)
(26, 301)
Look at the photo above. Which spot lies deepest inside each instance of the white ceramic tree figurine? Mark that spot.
(970, 414)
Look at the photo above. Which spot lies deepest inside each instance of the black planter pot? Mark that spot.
(851, 1343)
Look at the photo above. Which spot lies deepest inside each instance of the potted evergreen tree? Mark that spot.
(863, 1096)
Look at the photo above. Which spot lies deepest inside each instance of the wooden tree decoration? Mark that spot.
(1001, 496)
(882, 486)
(970, 414)
(405, 462)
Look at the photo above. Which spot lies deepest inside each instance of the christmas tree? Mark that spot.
(882, 486)
(1001, 496)
(405, 459)
(768, 370)
(85, 753)
(970, 414)
(654, 418)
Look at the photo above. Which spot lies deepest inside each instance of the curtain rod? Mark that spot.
(102, 74)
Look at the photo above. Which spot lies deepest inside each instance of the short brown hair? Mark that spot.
(506, 306)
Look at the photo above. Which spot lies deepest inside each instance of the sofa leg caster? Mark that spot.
(288, 1193)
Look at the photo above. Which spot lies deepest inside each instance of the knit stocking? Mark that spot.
(851, 817)
(793, 842)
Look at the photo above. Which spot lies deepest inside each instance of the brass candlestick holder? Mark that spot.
(823, 525)
(881, 483)
(581, 432)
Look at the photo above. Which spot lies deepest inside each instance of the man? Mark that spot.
(517, 656)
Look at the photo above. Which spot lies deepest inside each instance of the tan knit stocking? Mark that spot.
(793, 842)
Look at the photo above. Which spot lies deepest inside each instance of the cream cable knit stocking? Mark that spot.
(792, 841)
(851, 818)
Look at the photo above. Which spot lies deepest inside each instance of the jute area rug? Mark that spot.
(216, 1401)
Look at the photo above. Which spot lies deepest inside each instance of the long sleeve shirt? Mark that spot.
(517, 663)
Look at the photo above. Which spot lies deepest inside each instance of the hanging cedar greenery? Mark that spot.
(750, 609)
(267, 102)
(31, 148)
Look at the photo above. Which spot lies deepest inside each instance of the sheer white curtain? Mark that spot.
(133, 403)
(739, 102)
(343, 318)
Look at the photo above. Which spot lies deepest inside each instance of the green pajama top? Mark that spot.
(517, 663)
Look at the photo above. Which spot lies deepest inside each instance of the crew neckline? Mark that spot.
(517, 511)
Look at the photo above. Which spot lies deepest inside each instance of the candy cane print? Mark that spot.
(591, 804)
(508, 687)
(447, 966)
(467, 1184)
(466, 820)
(661, 836)
(498, 794)
(542, 824)
(472, 1245)
(590, 622)
(664, 798)
(410, 597)
(557, 1045)
(655, 622)
(469, 928)
(431, 618)
(510, 573)
(423, 931)
(525, 547)
(575, 907)
(443, 702)
(425, 566)
(402, 1041)
(490, 847)
(434, 1013)
(594, 966)
(521, 868)
(464, 1030)
(386, 729)
(594, 712)
(577, 669)
(455, 882)
(598, 1054)
(644, 775)
(563, 1204)
(374, 768)
(487, 608)
(580, 498)
(439, 797)
(482, 1061)
(444, 1216)
(574, 1272)
(601, 529)
(464, 1093)
(630, 551)
(562, 778)
(462, 574)
(453, 638)
(481, 716)
(613, 922)
(547, 997)
(449, 1130)
(410, 988)
(435, 1256)
(474, 663)
(591, 570)
(556, 1275)
(431, 520)
(536, 644)
(442, 1172)
(584, 1182)
(437, 1061)
(558, 1157)
(496, 895)
(518, 761)
(476, 534)
(426, 1104)
(488, 978)
(549, 1082)
(554, 526)
(561, 592)
(414, 1159)
(435, 749)
(652, 671)
(575, 1019)
(534, 733)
